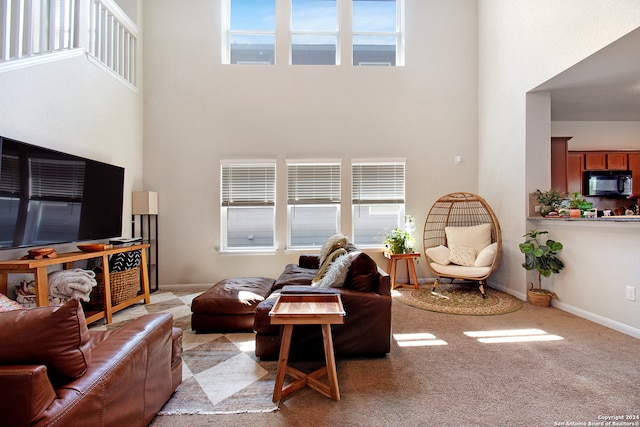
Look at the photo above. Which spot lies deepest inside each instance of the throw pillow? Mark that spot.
(56, 337)
(439, 255)
(337, 271)
(477, 237)
(124, 261)
(462, 255)
(486, 256)
(7, 304)
(363, 274)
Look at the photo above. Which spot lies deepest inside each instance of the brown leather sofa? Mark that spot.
(54, 371)
(366, 297)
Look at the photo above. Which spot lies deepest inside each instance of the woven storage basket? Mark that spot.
(124, 286)
(538, 299)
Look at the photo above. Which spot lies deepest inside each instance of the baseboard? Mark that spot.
(620, 327)
(617, 326)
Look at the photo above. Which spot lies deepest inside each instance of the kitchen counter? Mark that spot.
(618, 218)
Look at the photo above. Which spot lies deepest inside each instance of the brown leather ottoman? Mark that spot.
(229, 305)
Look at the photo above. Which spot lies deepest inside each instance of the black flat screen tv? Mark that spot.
(48, 197)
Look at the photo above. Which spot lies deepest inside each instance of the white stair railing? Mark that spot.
(114, 39)
(34, 27)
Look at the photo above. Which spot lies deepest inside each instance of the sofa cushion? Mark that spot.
(363, 274)
(477, 237)
(293, 274)
(56, 337)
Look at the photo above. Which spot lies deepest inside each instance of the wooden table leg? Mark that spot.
(411, 264)
(283, 360)
(42, 287)
(331, 361)
(393, 265)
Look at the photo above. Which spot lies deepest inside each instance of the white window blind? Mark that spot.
(248, 184)
(311, 183)
(378, 182)
(59, 179)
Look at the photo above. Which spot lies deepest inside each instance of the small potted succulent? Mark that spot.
(399, 242)
(550, 200)
(544, 259)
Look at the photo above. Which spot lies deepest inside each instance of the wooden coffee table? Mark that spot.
(307, 309)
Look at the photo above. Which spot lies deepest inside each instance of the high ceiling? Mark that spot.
(602, 87)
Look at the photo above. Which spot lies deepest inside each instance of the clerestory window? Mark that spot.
(377, 32)
(254, 31)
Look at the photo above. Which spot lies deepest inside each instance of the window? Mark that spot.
(251, 32)
(313, 203)
(248, 206)
(378, 200)
(377, 32)
(377, 28)
(314, 32)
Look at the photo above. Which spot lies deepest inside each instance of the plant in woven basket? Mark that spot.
(541, 257)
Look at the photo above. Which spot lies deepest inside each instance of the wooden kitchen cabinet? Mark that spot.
(634, 167)
(559, 167)
(617, 161)
(595, 161)
(575, 172)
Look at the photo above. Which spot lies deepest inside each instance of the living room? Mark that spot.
(465, 90)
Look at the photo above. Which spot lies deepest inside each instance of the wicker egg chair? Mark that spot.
(460, 210)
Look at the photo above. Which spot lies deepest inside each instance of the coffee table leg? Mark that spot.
(331, 361)
(283, 360)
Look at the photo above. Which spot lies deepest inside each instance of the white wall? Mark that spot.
(198, 112)
(599, 135)
(73, 106)
(523, 44)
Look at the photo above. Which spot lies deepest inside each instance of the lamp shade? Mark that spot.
(144, 203)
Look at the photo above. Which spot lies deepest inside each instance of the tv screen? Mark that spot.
(48, 197)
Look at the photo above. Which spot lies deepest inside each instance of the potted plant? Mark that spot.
(549, 200)
(578, 204)
(398, 241)
(544, 259)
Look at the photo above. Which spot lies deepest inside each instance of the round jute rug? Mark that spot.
(458, 298)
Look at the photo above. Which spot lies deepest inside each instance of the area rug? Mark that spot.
(220, 373)
(458, 298)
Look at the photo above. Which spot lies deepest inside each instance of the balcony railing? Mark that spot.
(35, 27)
(113, 40)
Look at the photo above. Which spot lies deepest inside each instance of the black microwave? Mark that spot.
(607, 183)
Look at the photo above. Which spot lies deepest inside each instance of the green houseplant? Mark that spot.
(549, 200)
(578, 202)
(544, 259)
(398, 241)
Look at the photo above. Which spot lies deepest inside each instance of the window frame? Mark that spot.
(398, 34)
(228, 33)
(330, 193)
(251, 201)
(388, 198)
(323, 33)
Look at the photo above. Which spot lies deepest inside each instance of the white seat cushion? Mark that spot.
(461, 271)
